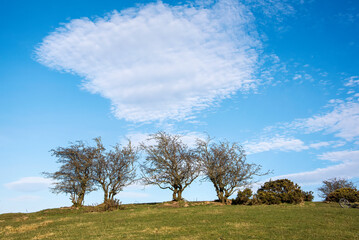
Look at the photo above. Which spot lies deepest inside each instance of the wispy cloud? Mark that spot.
(348, 167)
(281, 143)
(352, 81)
(157, 61)
(342, 121)
(274, 8)
(29, 184)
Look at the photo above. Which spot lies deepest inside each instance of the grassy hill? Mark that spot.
(190, 221)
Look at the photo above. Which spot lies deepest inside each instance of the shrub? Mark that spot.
(280, 191)
(351, 194)
(308, 196)
(243, 197)
(266, 197)
(112, 204)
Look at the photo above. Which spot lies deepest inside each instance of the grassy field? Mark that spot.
(192, 221)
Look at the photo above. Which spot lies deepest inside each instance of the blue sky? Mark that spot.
(279, 77)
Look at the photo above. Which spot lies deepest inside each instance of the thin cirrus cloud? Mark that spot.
(29, 184)
(157, 61)
(281, 143)
(347, 166)
(342, 121)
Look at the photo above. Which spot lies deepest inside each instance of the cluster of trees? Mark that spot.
(86, 168)
(169, 163)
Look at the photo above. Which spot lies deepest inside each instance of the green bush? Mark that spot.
(243, 197)
(281, 191)
(351, 194)
(308, 196)
(266, 197)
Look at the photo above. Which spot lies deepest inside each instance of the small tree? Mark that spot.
(113, 170)
(225, 165)
(333, 184)
(169, 164)
(75, 174)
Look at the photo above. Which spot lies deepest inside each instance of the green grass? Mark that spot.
(195, 221)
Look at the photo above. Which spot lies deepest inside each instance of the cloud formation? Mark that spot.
(29, 184)
(159, 62)
(281, 143)
(342, 121)
(347, 167)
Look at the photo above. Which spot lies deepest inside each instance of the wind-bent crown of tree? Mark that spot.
(169, 164)
(114, 169)
(75, 174)
(224, 164)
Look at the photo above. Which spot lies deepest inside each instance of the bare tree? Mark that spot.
(169, 164)
(75, 175)
(332, 184)
(224, 164)
(114, 169)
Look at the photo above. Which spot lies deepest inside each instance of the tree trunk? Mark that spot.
(221, 197)
(179, 195)
(105, 196)
(80, 199)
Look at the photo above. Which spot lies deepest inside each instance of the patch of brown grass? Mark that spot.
(161, 230)
(20, 219)
(42, 236)
(23, 228)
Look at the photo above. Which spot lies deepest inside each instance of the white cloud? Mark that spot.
(274, 8)
(342, 121)
(319, 145)
(352, 81)
(159, 62)
(348, 167)
(29, 184)
(341, 156)
(276, 143)
(281, 143)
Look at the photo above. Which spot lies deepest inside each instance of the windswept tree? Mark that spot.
(225, 165)
(75, 174)
(114, 169)
(169, 164)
